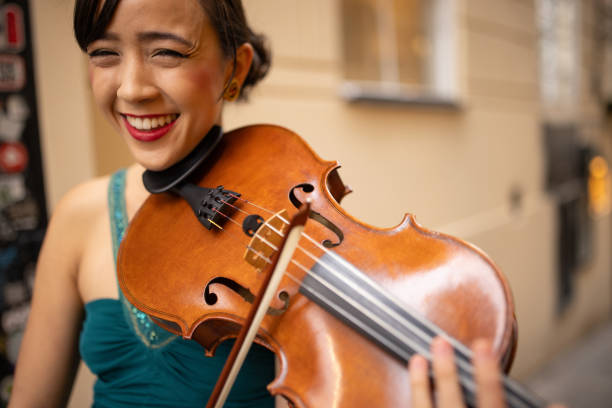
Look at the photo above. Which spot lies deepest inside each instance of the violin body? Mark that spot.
(198, 283)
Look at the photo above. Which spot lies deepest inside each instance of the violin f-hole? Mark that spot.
(211, 298)
(309, 188)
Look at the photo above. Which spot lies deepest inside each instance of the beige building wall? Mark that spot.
(456, 169)
(63, 99)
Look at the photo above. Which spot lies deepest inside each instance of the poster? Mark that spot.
(23, 213)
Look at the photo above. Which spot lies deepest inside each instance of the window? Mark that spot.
(399, 50)
(559, 23)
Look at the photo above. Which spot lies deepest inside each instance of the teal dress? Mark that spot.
(138, 364)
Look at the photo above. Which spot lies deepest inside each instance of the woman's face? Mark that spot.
(158, 74)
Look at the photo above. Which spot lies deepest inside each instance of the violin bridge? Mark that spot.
(266, 240)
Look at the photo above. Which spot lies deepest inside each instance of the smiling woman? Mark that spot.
(161, 73)
(152, 63)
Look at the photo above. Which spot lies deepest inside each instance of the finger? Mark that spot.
(487, 376)
(448, 392)
(419, 382)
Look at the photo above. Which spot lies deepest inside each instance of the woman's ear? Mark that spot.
(244, 58)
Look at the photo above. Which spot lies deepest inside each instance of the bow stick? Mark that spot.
(272, 278)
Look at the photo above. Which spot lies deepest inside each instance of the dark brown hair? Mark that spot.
(91, 18)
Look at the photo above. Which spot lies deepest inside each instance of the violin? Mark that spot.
(355, 301)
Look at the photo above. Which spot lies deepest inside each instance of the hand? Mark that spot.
(486, 374)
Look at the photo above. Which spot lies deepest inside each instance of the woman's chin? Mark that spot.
(155, 164)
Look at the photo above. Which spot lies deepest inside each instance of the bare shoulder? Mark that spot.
(75, 215)
(85, 199)
(81, 203)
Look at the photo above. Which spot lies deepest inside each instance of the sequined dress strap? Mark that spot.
(148, 332)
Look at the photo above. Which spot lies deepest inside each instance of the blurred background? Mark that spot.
(490, 120)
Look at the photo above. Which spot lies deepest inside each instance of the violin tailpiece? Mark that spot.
(212, 206)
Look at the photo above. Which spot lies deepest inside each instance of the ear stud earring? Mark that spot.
(232, 92)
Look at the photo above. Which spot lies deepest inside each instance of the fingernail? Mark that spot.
(441, 347)
(482, 349)
(418, 362)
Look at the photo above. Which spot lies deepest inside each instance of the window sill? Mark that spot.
(381, 93)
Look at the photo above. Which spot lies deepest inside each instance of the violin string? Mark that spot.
(309, 254)
(412, 328)
(251, 203)
(418, 332)
(234, 207)
(415, 314)
(468, 382)
(368, 313)
(269, 261)
(341, 276)
(349, 282)
(406, 324)
(462, 362)
(415, 346)
(228, 218)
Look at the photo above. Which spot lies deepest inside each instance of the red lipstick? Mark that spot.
(148, 135)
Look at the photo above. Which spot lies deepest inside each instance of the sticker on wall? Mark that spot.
(12, 189)
(12, 73)
(24, 214)
(13, 118)
(12, 36)
(13, 157)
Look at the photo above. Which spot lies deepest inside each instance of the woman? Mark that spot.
(161, 72)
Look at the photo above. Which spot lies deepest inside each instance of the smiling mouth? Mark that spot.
(150, 123)
(149, 128)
